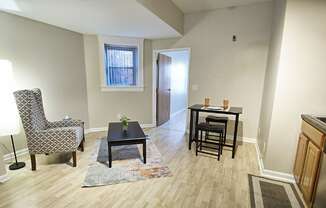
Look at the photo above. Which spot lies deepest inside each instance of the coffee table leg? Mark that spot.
(110, 156)
(144, 152)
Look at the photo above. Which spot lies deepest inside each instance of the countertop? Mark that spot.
(312, 120)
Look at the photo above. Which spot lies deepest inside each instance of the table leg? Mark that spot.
(235, 135)
(191, 128)
(196, 124)
(110, 155)
(144, 152)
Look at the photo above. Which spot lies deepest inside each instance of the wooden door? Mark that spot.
(310, 170)
(300, 158)
(163, 90)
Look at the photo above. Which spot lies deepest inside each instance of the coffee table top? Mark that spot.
(135, 132)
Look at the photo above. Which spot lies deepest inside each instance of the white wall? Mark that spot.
(271, 75)
(225, 69)
(167, 11)
(179, 80)
(48, 58)
(300, 86)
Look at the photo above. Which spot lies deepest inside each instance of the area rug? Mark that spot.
(127, 164)
(268, 193)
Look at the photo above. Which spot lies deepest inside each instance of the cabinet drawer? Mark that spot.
(313, 134)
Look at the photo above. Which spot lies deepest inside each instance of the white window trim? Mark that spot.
(137, 42)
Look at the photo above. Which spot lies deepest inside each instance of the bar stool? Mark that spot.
(218, 129)
(221, 120)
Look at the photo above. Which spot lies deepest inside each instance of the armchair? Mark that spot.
(43, 136)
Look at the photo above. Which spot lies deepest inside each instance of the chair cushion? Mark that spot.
(217, 119)
(79, 134)
(217, 128)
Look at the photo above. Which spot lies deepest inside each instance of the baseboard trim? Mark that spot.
(240, 139)
(93, 130)
(248, 140)
(147, 125)
(259, 159)
(99, 129)
(278, 175)
(286, 177)
(263, 172)
(11, 156)
(4, 178)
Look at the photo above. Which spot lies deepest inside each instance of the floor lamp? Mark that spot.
(9, 118)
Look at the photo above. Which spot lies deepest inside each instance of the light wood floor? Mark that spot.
(196, 182)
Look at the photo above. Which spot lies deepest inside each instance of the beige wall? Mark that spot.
(225, 69)
(166, 11)
(301, 79)
(103, 107)
(271, 75)
(48, 58)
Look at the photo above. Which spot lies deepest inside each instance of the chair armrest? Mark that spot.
(65, 123)
(56, 140)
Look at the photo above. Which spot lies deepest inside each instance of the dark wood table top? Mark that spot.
(116, 134)
(231, 110)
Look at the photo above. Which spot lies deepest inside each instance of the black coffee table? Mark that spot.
(117, 137)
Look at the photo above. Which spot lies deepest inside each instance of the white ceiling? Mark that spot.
(104, 17)
(189, 6)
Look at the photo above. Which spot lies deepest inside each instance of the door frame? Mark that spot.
(154, 78)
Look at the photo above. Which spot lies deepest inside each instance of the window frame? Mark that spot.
(134, 51)
(122, 42)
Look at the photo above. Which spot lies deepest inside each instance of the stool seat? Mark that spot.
(217, 119)
(216, 128)
(205, 128)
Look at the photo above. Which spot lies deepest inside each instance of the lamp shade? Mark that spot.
(9, 118)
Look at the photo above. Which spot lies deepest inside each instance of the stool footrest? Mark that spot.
(209, 153)
(208, 147)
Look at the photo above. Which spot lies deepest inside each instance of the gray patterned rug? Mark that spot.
(127, 164)
(268, 193)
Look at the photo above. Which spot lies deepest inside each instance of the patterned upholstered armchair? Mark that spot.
(44, 137)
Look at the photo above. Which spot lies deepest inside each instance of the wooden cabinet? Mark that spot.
(300, 157)
(309, 174)
(307, 161)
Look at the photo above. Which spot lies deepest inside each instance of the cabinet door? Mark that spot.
(310, 171)
(300, 157)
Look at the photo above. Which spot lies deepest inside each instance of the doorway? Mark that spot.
(171, 75)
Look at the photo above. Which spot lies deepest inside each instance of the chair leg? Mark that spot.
(74, 159)
(196, 143)
(219, 147)
(33, 162)
(82, 145)
(226, 127)
(221, 143)
(83, 132)
(201, 140)
(206, 134)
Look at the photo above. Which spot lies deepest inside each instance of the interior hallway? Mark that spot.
(177, 122)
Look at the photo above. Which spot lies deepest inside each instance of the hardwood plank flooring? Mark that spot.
(196, 182)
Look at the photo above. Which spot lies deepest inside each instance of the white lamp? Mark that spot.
(9, 118)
